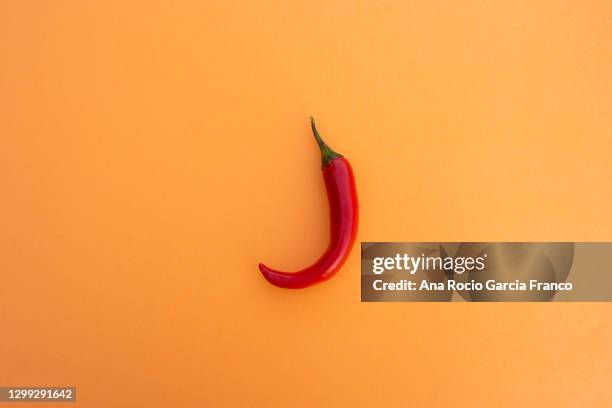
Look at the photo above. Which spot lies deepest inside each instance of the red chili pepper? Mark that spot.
(343, 210)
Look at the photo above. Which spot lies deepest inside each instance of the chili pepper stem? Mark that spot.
(327, 154)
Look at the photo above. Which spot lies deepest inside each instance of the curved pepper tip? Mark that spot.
(265, 271)
(283, 279)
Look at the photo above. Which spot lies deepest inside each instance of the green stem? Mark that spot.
(327, 154)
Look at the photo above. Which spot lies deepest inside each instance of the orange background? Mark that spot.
(153, 154)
